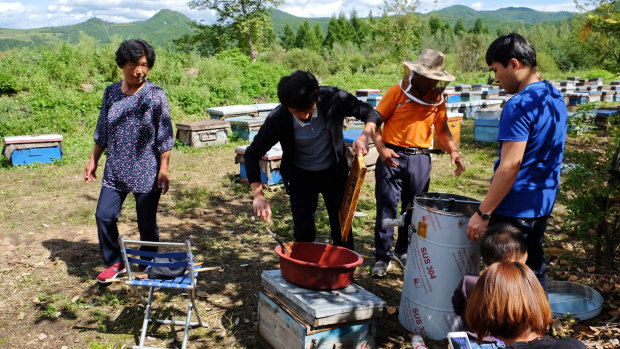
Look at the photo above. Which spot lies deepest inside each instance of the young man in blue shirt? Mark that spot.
(532, 134)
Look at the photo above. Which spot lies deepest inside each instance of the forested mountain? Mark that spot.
(161, 29)
(168, 25)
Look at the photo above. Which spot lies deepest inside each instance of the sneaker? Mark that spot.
(381, 268)
(111, 272)
(400, 258)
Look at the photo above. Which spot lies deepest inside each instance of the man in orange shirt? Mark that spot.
(408, 111)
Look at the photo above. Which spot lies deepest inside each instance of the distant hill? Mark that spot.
(492, 18)
(168, 25)
(161, 29)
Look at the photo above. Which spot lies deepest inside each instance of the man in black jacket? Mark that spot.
(308, 124)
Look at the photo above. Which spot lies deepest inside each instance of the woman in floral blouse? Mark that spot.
(135, 128)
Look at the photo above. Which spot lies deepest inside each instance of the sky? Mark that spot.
(22, 14)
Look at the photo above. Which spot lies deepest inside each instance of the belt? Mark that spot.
(413, 150)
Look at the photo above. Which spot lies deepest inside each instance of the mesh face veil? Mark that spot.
(432, 96)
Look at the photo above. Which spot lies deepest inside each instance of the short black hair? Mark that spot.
(500, 242)
(300, 90)
(509, 46)
(132, 50)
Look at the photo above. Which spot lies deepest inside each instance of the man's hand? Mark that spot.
(261, 208)
(163, 182)
(455, 158)
(360, 146)
(476, 227)
(387, 156)
(260, 203)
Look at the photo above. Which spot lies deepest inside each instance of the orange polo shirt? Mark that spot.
(409, 125)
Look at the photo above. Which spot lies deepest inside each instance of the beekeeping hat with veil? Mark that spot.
(429, 65)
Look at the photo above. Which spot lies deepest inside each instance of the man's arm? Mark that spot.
(448, 143)
(360, 146)
(503, 179)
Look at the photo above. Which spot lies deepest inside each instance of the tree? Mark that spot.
(360, 29)
(306, 38)
(601, 27)
(318, 34)
(250, 18)
(333, 33)
(435, 23)
(398, 28)
(459, 27)
(477, 29)
(288, 38)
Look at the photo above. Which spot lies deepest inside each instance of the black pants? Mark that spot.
(305, 187)
(108, 211)
(533, 231)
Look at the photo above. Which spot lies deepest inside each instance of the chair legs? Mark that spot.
(191, 306)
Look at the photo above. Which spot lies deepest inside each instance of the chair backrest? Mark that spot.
(179, 253)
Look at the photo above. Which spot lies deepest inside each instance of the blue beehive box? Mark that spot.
(25, 150)
(578, 98)
(373, 100)
(294, 317)
(367, 92)
(486, 124)
(452, 97)
(269, 165)
(245, 127)
(467, 96)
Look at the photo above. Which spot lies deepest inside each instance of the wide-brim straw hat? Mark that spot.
(430, 65)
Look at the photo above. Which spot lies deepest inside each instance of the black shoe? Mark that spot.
(381, 268)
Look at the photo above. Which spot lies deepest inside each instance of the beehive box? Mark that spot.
(468, 96)
(245, 127)
(462, 88)
(291, 317)
(454, 124)
(486, 124)
(367, 92)
(452, 97)
(25, 150)
(233, 110)
(269, 165)
(203, 133)
(489, 94)
(577, 98)
(373, 100)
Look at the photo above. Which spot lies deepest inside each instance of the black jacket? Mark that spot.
(335, 104)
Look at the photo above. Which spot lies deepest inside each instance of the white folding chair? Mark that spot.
(182, 255)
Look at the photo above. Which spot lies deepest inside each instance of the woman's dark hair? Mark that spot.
(509, 46)
(502, 242)
(133, 50)
(300, 90)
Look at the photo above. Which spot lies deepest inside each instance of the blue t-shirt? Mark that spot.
(537, 114)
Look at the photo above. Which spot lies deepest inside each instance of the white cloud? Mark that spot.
(10, 6)
(477, 6)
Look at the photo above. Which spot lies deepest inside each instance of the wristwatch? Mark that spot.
(484, 216)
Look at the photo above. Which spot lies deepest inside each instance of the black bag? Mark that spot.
(166, 273)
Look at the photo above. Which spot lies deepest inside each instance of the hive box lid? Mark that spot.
(367, 91)
(352, 303)
(33, 139)
(202, 125)
(275, 153)
(233, 110)
(247, 121)
(267, 106)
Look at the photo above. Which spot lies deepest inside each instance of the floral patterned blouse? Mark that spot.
(135, 130)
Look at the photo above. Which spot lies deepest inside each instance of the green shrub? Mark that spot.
(307, 60)
(546, 63)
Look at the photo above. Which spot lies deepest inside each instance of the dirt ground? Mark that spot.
(50, 254)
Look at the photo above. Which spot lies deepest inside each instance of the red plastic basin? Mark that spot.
(318, 266)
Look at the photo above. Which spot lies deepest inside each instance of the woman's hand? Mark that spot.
(90, 172)
(163, 182)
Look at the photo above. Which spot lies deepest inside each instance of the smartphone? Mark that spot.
(458, 340)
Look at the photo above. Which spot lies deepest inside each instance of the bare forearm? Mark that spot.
(164, 160)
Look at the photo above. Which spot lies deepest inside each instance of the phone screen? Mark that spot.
(459, 343)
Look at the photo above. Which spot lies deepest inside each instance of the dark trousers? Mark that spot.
(394, 185)
(305, 187)
(532, 230)
(108, 211)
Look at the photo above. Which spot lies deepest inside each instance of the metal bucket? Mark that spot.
(438, 256)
